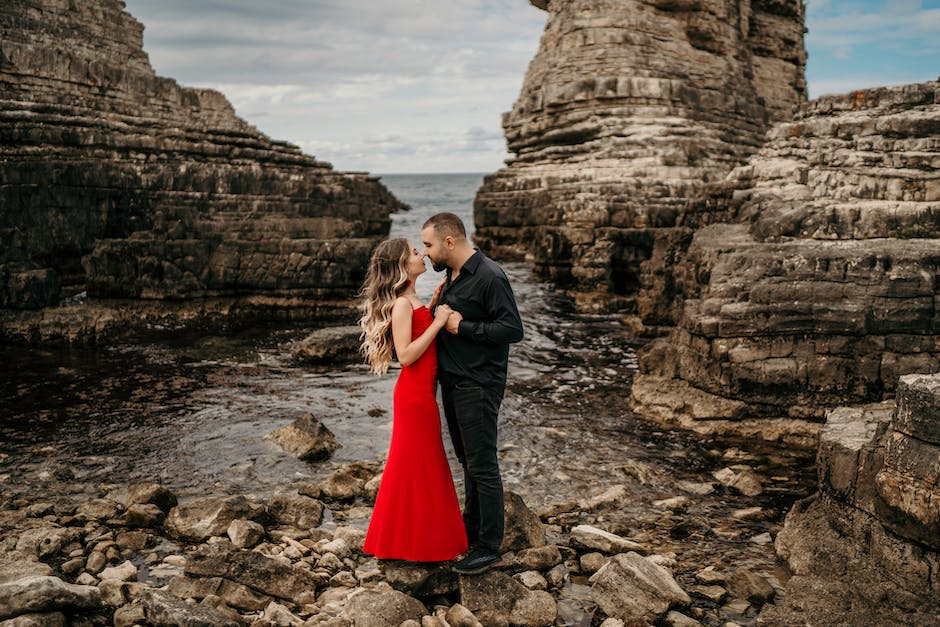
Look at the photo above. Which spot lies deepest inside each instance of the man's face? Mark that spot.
(436, 248)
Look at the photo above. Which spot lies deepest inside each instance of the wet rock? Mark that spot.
(145, 515)
(245, 534)
(144, 493)
(306, 438)
(332, 345)
(379, 608)
(348, 481)
(459, 616)
(590, 537)
(124, 572)
(539, 558)
(200, 519)
(301, 512)
(47, 619)
(497, 599)
(159, 607)
(277, 614)
(420, 580)
(523, 529)
(741, 478)
(250, 568)
(234, 594)
(39, 594)
(745, 584)
(633, 588)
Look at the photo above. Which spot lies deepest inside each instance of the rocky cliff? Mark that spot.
(628, 109)
(123, 184)
(865, 550)
(826, 287)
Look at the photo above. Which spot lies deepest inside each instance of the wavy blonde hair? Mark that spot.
(386, 279)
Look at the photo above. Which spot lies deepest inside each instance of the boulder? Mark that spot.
(522, 527)
(306, 438)
(420, 580)
(348, 481)
(234, 594)
(45, 619)
(39, 593)
(159, 607)
(331, 345)
(634, 589)
(380, 608)
(495, 598)
(301, 512)
(200, 519)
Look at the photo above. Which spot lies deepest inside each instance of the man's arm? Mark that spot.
(504, 325)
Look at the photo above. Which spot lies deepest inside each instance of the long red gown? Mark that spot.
(416, 515)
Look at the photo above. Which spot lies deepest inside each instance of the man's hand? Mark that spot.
(453, 323)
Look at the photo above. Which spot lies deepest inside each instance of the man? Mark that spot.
(472, 361)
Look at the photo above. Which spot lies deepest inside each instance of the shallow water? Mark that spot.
(191, 411)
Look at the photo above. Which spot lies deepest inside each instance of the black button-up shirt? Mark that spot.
(479, 352)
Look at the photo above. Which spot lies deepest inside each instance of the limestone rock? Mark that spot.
(181, 199)
(306, 438)
(234, 594)
(745, 584)
(252, 569)
(591, 537)
(159, 607)
(459, 616)
(539, 558)
(348, 481)
(47, 619)
(329, 345)
(245, 534)
(126, 571)
(495, 598)
(421, 580)
(199, 519)
(522, 527)
(301, 512)
(143, 493)
(378, 608)
(39, 594)
(633, 588)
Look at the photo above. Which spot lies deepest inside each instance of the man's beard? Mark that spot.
(438, 266)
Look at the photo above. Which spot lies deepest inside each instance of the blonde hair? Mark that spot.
(386, 279)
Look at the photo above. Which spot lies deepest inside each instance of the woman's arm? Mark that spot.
(409, 351)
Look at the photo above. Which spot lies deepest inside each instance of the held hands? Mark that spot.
(442, 314)
(453, 322)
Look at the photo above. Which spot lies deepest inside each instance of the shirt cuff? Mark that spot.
(464, 328)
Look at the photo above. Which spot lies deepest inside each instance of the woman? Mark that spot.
(416, 515)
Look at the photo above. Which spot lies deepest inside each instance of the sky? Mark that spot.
(413, 86)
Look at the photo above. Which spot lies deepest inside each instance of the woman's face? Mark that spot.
(415, 263)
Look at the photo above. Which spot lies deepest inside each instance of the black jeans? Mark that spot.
(472, 413)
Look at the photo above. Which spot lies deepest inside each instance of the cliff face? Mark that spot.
(872, 532)
(825, 290)
(629, 108)
(122, 183)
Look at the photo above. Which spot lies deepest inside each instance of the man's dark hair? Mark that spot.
(446, 224)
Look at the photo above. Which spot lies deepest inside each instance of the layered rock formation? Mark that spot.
(866, 548)
(627, 111)
(125, 184)
(826, 288)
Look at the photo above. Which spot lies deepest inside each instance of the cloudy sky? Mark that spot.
(402, 86)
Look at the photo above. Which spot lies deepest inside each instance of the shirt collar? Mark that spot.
(473, 262)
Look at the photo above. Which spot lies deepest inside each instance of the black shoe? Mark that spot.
(478, 560)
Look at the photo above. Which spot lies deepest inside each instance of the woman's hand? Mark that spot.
(441, 315)
(437, 295)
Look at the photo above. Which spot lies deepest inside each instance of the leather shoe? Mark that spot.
(478, 560)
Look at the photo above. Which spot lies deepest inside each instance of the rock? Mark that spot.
(144, 515)
(354, 538)
(133, 540)
(609, 498)
(330, 345)
(677, 503)
(301, 512)
(741, 478)
(592, 562)
(199, 519)
(556, 576)
(716, 594)
(249, 568)
(532, 580)
(159, 607)
(459, 616)
(98, 509)
(539, 558)
(495, 598)
(124, 572)
(277, 614)
(745, 584)
(522, 527)
(45, 542)
(710, 576)
(96, 562)
(47, 619)
(677, 619)
(40, 594)
(348, 481)
(692, 487)
(590, 537)
(234, 594)
(632, 588)
(378, 608)
(245, 534)
(421, 580)
(144, 493)
(748, 513)
(306, 438)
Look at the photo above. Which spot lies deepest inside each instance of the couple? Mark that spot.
(416, 515)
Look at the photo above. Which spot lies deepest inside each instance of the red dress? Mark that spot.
(416, 515)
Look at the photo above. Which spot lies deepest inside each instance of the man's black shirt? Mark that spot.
(479, 352)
